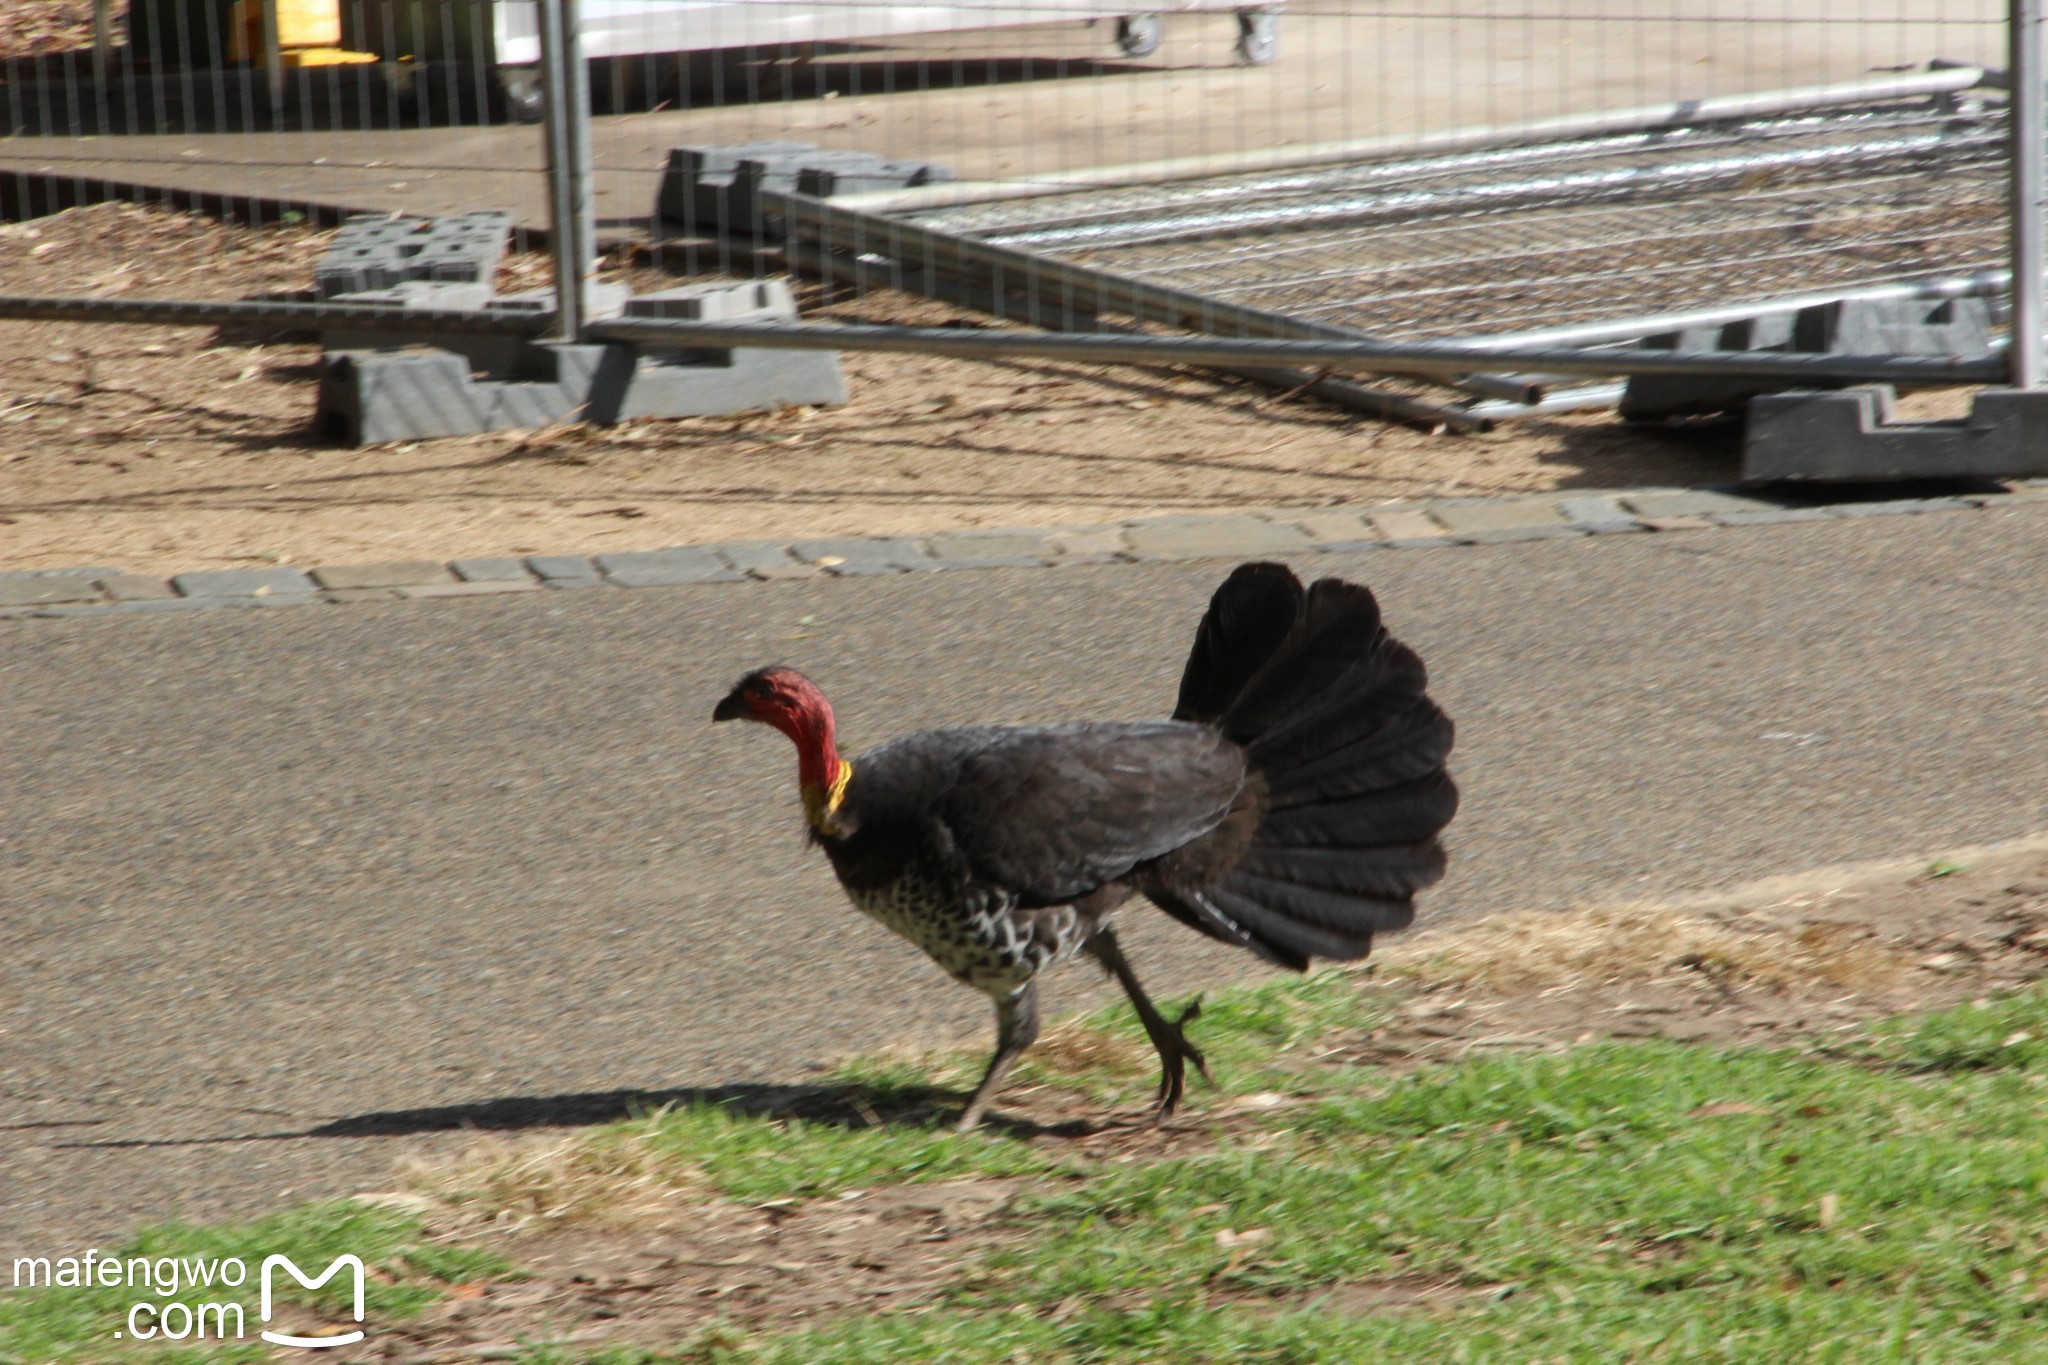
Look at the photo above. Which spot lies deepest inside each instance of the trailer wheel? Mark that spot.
(1137, 35)
(1258, 37)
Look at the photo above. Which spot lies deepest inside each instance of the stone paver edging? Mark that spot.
(1275, 533)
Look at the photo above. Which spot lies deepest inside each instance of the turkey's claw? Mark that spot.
(1175, 1052)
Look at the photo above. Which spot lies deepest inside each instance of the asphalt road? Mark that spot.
(270, 881)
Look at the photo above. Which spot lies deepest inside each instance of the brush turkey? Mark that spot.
(1291, 807)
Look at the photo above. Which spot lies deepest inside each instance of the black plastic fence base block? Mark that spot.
(1849, 436)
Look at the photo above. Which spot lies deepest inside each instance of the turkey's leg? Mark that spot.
(1174, 1049)
(1016, 1028)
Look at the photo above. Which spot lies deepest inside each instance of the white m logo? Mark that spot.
(354, 1264)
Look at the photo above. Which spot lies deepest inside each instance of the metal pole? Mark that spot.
(1420, 358)
(102, 41)
(582, 160)
(273, 57)
(1607, 331)
(572, 198)
(2029, 190)
(309, 317)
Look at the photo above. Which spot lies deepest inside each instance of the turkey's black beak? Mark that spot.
(729, 709)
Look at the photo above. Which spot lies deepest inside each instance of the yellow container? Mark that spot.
(326, 56)
(300, 23)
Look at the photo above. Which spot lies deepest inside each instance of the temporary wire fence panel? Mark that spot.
(1553, 231)
(1047, 108)
(1200, 146)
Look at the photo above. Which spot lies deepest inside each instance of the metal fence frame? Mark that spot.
(2029, 189)
(859, 229)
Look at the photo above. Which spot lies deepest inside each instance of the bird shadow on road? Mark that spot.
(850, 1106)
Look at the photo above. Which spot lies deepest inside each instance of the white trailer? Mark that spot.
(633, 28)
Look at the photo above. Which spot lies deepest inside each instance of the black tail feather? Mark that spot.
(1337, 912)
(1196, 910)
(1357, 704)
(1378, 871)
(1248, 618)
(1336, 721)
(1336, 627)
(1410, 745)
(1404, 813)
(1295, 937)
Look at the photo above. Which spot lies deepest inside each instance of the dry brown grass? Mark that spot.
(1070, 1048)
(1608, 944)
(609, 1178)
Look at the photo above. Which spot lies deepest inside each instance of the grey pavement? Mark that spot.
(1247, 533)
(271, 883)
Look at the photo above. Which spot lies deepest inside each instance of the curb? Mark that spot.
(1231, 535)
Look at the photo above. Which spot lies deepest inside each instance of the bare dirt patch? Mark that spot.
(161, 449)
(1782, 963)
(1793, 962)
(750, 1266)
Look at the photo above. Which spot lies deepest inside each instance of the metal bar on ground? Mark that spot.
(1607, 331)
(283, 316)
(1577, 399)
(923, 250)
(1419, 358)
(1678, 114)
(2029, 190)
(1344, 393)
(1349, 393)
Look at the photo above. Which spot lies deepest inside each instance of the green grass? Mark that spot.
(1642, 1201)
(1584, 1201)
(406, 1273)
(2007, 1033)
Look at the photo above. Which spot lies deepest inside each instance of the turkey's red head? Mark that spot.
(792, 703)
(781, 697)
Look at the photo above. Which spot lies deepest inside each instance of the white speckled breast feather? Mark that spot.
(981, 940)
